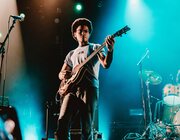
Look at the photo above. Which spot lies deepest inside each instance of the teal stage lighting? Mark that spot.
(78, 7)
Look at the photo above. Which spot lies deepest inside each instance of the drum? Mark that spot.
(177, 122)
(171, 94)
(168, 120)
(168, 113)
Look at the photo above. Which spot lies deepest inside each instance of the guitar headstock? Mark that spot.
(121, 31)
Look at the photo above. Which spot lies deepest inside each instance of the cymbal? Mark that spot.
(151, 77)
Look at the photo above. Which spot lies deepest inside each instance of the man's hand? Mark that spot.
(109, 43)
(65, 74)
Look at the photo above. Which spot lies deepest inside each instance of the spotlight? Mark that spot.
(78, 7)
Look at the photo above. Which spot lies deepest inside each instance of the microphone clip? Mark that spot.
(20, 17)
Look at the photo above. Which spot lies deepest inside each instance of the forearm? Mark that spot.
(108, 59)
(109, 56)
(65, 72)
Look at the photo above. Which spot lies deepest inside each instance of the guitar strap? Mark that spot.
(90, 49)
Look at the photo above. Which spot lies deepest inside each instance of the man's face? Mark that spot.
(82, 33)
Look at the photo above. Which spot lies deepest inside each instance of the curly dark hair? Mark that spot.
(81, 21)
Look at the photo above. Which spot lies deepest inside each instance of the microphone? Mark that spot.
(20, 17)
(144, 56)
(147, 53)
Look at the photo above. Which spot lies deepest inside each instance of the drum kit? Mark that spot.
(166, 122)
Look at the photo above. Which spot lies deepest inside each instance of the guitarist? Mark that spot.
(83, 98)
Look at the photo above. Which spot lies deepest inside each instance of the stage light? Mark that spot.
(78, 7)
(139, 15)
(134, 2)
(31, 133)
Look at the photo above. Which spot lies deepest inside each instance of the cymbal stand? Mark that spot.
(152, 129)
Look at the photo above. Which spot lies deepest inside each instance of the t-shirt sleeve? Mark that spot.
(68, 60)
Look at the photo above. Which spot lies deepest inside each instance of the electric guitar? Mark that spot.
(78, 72)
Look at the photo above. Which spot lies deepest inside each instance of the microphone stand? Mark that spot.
(2, 51)
(153, 129)
(142, 86)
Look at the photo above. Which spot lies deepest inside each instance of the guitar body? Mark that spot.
(70, 84)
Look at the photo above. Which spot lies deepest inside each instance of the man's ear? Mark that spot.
(74, 36)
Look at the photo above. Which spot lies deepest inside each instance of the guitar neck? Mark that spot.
(118, 33)
(92, 55)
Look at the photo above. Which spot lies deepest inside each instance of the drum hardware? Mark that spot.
(178, 76)
(152, 130)
(152, 77)
(167, 118)
(169, 125)
(132, 136)
(152, 97)
(176, 122)
(170, 132)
